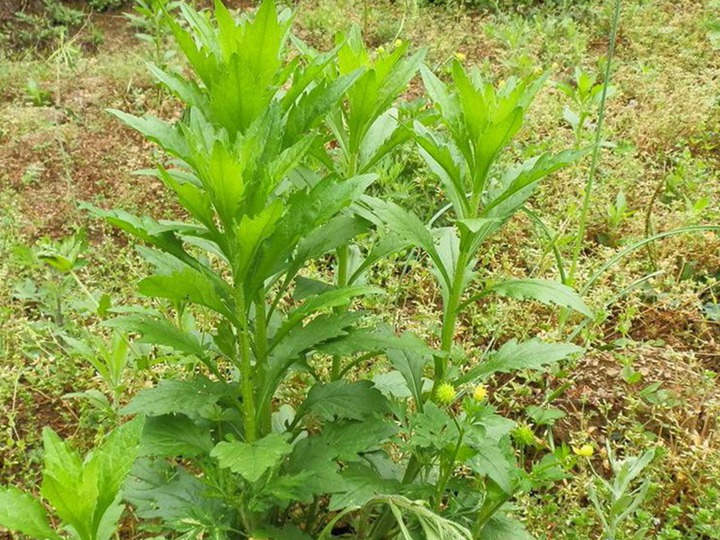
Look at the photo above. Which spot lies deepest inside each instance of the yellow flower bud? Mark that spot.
(446, 393)
(480, 392)
(586, 450)
(380, 49)
(397, 43)
(460, 57)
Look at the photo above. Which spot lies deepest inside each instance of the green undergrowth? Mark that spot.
(658, 171)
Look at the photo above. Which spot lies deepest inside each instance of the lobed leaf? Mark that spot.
(252, 460)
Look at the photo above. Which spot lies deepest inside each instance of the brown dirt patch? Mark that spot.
(28, 412)
(685, 413)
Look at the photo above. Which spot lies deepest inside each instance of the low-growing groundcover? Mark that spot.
(284, 409)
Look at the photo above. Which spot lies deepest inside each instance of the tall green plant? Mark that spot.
(306, 459)
(257, 216)
(477, 122)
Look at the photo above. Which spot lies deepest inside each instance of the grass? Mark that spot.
(663, 123)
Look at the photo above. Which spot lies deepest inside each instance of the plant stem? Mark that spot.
(450, 315)
(261, 352)
(596, 149)
(343, 262)
(247, 387)
(445, 476)
(341, 279)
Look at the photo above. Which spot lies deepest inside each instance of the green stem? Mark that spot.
(261, 353)
(487, 512)
(450, 315)
(596, 149)
(359, 360)
(445, 477)
(343, 257)
(247, 386)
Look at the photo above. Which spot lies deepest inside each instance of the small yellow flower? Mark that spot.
(537, 71)
(397, 43)
(480, 392)
(586, 450)
(460, 56)
(380, 49)
(446, 393)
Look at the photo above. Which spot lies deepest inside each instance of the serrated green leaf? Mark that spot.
(433, 428)
(348, 440)
(358, 485)
(306, 287)
(343, 399)
(252, 460)
(380, 338)
(193, 398)
(544, 415)
(490, 461)
(189, 285)
(182, 502)
(410, 364)
(159, 332)
(114, 459)
(156, 130)
(175, 435)
(23, 513)
(542, 290)
(512, 356)
(70, 488)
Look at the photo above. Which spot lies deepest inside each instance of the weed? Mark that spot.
(85, 494)
(617, 500)
(149, 18)
(38, 96)
(105, 5)
(257, 231)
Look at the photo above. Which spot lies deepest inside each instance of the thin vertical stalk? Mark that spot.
(450, 315)
(261, 353)
(247, 387)
(596, 149)
(343, 264)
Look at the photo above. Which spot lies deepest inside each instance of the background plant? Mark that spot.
(85, 494)
(479, 121)
(149, 17)
(617, 500)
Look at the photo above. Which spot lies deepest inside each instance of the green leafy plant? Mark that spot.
(150, 20)
(479, 121)
(59, 262)
(618, 499)
(85, 494)
(37, 95)
(271, 160)
(587, 95)
(110, 358)
(62, 15)
(615, 216)
(104, 5)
